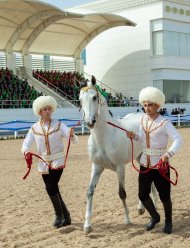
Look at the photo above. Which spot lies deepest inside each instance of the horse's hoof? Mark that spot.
(87, 229)
(127, 222)
(141, 211)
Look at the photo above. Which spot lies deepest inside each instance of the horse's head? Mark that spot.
(89, 100)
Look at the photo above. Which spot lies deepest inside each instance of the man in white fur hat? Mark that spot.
(47, 134)
(154, 133)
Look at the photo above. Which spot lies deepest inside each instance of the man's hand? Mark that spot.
(27, 154)
(72, 133)
(164, 159)
(130, 134)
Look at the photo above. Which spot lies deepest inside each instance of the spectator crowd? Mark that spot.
(14, 92)
(17, 93)
(70, 83)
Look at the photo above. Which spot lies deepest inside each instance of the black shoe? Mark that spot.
(155, 217)
(62, 216)
(168, 217)
(58, 221)
(168, 227)
(152, 223)
(67, 221)
(65, 211)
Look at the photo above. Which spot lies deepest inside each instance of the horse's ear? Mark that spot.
(93, 80)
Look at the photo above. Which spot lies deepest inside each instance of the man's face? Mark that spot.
(150, 108)
(46, 112)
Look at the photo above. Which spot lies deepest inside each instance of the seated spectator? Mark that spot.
(182, 110)
(69, 84)
(163, 111)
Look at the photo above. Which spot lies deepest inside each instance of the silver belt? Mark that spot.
(154, 152)
(51, 157)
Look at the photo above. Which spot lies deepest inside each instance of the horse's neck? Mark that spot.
(101, 127)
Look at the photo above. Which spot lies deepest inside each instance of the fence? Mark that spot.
(16, 126)
(25, 103)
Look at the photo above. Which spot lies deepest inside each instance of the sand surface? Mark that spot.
(26, 213)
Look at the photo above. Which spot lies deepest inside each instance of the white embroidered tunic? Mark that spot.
(154, 136)
(48, 139)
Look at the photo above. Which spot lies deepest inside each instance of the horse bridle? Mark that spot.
(85, 89)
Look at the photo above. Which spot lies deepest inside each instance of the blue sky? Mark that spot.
(64, 4)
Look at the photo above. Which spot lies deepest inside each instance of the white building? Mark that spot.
(154, 53)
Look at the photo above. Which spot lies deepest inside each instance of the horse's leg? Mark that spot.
(122, 193)
(154, 194)
(95, 175)
(140, 208)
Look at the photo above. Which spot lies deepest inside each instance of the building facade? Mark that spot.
(154, 53)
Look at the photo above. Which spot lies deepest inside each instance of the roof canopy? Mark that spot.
(34, 27)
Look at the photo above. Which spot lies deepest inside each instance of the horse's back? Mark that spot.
(132, 121)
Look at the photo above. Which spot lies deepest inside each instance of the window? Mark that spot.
(158, 43)
(183, 44)
(171, 43)
(175, 91)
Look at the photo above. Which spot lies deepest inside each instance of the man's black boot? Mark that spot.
(66, 214)
(59, 215)
(155, 217)
(168, 217)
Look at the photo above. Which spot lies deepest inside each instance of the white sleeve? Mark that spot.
(27, 143)
(65, 131)
(174, 135)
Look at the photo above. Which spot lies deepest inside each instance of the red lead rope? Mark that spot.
(161, 166)
(28, 158)
(29, 155)
(69, 144)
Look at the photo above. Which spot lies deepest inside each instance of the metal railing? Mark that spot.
(18, 127)
(105, 86)
(25, 103)
(118, 101)
(55, 89)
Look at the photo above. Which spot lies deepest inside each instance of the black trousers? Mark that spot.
(162, 185)
(51, 181)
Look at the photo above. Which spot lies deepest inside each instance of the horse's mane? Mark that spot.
(111, 114)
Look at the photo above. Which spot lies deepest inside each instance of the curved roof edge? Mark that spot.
(31, 26)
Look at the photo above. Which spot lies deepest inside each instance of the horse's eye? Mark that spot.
(94, 98)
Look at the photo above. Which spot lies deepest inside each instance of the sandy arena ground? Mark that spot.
(26, 213)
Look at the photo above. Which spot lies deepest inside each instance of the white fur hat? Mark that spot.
(43, 101)
(152, 94)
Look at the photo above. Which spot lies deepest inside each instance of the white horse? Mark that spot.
(108, 147)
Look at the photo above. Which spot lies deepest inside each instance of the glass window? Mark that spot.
(158, 43)
(188, 45)
(183, 44)
(176, 91)
(171, 43)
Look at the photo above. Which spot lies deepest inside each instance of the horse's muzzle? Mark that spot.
(91, 124)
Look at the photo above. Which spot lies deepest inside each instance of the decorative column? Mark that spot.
(11, 61)
(27, 62)
(79, 65)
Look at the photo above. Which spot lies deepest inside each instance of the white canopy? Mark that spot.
(38, 28)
